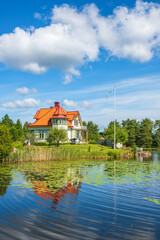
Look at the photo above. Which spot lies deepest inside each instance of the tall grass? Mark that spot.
(68, 152)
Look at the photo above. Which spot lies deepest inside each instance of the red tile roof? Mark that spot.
(44, 115)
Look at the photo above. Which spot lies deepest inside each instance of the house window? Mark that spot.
(41, 134)
(55, 121)
(75, 123)
(61, 121)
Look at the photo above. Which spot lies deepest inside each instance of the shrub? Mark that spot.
(18, 145)
(40, 144)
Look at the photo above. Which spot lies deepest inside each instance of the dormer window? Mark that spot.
(61, 121)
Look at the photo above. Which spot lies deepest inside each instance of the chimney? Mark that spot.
(57, 104)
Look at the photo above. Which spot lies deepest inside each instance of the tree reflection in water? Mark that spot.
(5, 178)
(54, 182)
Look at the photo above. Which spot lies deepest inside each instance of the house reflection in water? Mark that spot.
(56, 195)
(71, 188)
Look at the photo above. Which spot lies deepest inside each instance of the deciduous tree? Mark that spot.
(5, 142)
(121, 133)
(93, 131)
(56, 136)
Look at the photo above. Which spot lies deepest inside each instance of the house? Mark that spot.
(57, 116)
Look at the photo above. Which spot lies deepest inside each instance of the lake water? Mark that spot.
(81, 200)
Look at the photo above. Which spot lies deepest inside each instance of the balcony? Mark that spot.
(82, 128)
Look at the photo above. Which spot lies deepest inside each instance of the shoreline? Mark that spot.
(71, 152)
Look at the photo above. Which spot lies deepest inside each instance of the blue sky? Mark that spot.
(77, 51)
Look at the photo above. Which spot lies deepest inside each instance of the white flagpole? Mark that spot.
(114, 118)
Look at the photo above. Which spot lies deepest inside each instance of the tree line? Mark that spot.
(130, 132)
(16, 130)
(145, 133)
(11, 132)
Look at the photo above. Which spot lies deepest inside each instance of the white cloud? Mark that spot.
(85, 104)
(37, 16)
(75, 37)
(63, 45)
(26, 103)
(25, 91)
(129, 33)
(68, 79)
(69, 104)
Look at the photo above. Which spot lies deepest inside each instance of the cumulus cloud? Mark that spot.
(85, 104)
(25, 91)
(72, 104)
(69, 104)
(129, 33)
(26, 103)
(74, 38)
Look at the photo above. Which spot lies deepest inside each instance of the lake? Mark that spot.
(81, 199)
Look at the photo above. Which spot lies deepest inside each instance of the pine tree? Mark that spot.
(146, 135)
(7, 121)
(132, 127)
(18, 126)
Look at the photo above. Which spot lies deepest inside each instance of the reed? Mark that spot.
(66, 152)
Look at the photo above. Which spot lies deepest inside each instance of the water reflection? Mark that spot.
(70, 188)
(81, 200)
(52, 182)
(156, 156)
(5, 178)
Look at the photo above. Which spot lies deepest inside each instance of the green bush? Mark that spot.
(40, 144)
(18, 145)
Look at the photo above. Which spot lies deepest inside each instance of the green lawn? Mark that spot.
(92, 148)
